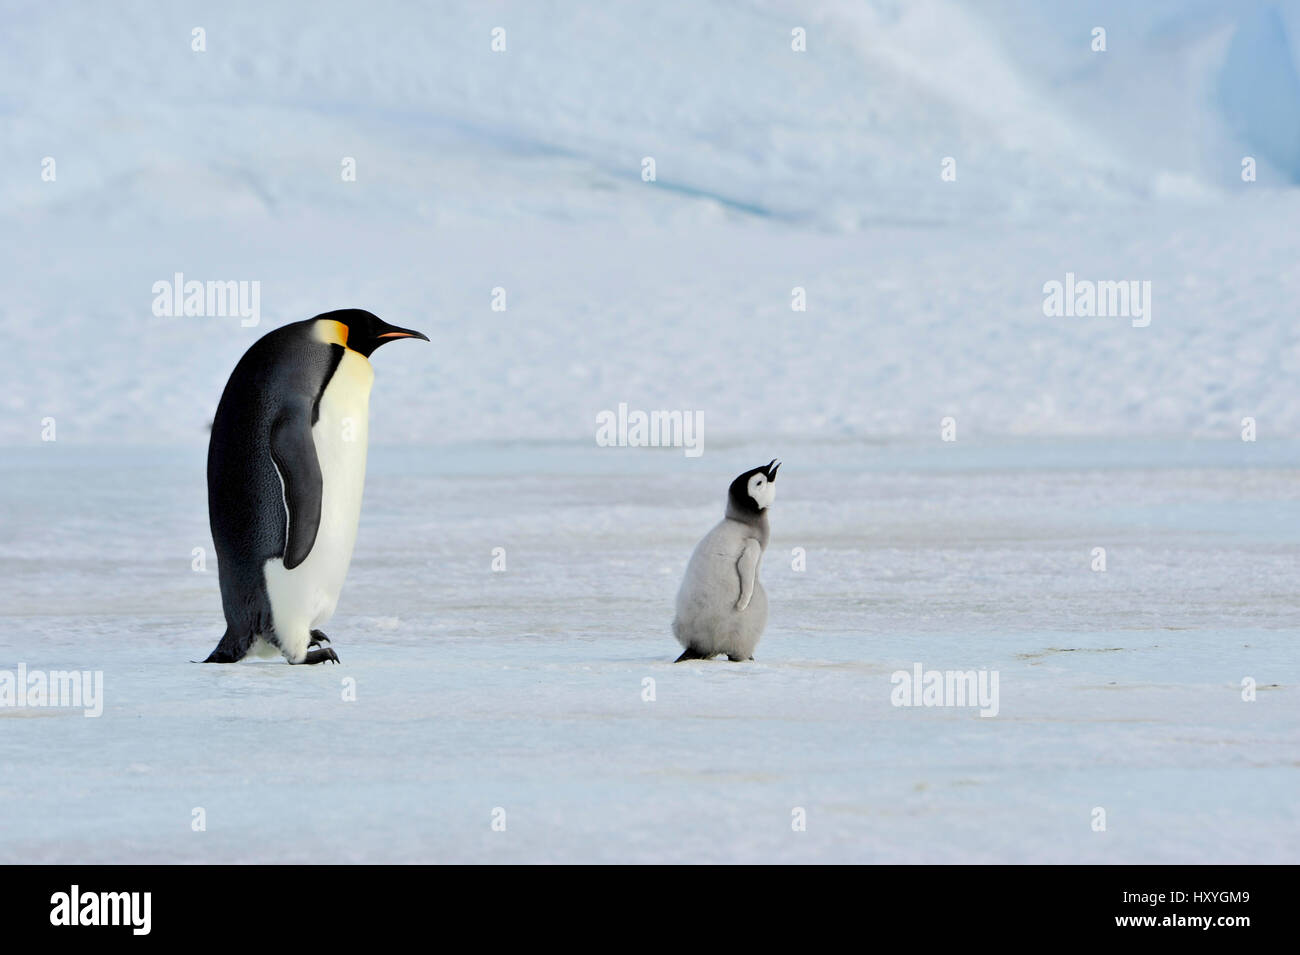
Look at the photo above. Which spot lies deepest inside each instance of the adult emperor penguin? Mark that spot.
(721, 606)
(286, 465)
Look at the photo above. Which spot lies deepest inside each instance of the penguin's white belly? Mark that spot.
(304, 598)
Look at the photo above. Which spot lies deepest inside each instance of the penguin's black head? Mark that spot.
(753, 492)
(362, 331)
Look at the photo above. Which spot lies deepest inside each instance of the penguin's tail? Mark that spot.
(231, 649)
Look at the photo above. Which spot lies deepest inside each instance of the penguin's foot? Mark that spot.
(690, 653)
(740, 659)
(317, 638)
(320, 656)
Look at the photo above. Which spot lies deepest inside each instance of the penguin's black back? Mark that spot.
(279, 380)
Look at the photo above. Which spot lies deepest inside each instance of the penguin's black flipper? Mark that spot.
(690, 653)
(294, 453)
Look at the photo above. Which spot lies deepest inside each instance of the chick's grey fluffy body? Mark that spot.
(721, 605)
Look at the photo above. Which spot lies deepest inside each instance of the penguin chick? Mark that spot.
(286, 466)
(721, 606)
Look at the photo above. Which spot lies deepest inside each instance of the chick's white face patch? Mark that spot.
(762, 491)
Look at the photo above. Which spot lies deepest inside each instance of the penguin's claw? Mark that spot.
(317, 638)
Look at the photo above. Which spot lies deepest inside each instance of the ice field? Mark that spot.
(469, 696)
(523, 689)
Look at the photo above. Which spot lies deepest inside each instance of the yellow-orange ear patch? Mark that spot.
(332, 332)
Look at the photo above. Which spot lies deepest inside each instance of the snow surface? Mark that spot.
(523, 689)
(522, 170)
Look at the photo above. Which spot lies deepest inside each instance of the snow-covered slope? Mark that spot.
(774, 169)
(845, 134)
